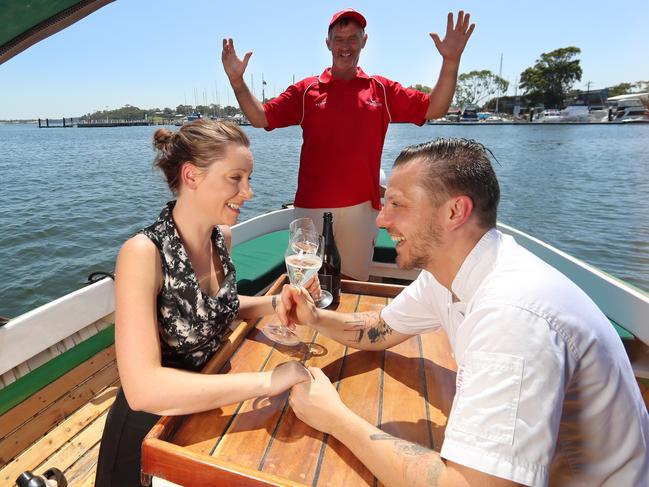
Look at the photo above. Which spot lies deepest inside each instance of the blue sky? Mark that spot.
(159, 53)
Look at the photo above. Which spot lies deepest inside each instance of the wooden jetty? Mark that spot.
(114, 123)
(55, 123)
(75, 122)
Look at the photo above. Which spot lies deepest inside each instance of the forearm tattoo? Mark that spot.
(370, 324)
(424, 458)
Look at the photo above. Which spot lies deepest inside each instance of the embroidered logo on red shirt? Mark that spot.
(320, 101)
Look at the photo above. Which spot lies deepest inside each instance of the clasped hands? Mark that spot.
(314, 399)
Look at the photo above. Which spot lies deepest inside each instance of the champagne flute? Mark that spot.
(303, 258)
(302, 232)
(301, 225)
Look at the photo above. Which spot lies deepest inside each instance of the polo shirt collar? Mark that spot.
(326, 75)
(477, 265)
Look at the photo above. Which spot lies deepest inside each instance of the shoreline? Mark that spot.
(496, 124)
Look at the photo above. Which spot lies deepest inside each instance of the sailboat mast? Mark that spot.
(500, 73)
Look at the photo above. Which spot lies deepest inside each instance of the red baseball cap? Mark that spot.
(348, 13)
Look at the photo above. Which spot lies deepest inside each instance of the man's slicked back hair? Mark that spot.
(453, 167)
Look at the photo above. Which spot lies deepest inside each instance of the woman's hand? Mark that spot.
(313, 286)
(296, 306)
(286, 375)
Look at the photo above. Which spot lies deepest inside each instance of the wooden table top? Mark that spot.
(406, 391)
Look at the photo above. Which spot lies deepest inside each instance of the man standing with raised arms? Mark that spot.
(344, 114)
(545, 393)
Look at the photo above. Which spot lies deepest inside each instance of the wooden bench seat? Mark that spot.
(61, 425)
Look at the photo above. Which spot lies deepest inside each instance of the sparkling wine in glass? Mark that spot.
(303, 258)
(303, 234)
(302, 266)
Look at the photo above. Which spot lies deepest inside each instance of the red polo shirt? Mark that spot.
(343, 125)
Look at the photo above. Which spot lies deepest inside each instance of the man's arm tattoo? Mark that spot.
(358, 324)
(370, 324)
(379, 332)
(434, 466)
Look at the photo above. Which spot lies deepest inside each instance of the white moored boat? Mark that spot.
(631, 110)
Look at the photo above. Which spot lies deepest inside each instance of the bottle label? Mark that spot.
(325, 281)
(332, 284)
(335, 285)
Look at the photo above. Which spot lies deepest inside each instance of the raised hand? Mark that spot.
(455, 40)
(233, 66)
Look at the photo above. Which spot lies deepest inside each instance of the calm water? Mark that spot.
(70, 197)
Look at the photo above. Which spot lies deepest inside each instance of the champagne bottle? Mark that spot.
(329, 273)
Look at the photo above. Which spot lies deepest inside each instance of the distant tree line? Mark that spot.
(624, 88)
(549, 83)
(129, 112)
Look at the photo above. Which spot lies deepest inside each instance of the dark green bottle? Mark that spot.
(329, 273)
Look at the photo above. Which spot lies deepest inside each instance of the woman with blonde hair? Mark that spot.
(176, 297)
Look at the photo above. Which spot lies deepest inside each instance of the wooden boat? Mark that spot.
(58, 375)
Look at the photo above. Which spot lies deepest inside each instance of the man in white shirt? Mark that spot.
(545, 393)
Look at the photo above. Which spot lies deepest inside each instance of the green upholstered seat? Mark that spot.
(259, 261)
(384, 250)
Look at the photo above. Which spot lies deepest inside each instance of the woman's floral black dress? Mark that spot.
(191, 326)
(190, 322)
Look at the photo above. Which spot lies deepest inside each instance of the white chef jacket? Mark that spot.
(545, 393)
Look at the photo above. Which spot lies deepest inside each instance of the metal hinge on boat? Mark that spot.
(99, 275)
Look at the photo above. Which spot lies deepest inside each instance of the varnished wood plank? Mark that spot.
(404, 412)
(360, 390)
(181, 466)
(55, 413)
(82, 472)
(77, 446)
(439, 367)
(371, 288)
(31, 406)
(42, 450)
(296, 448)
(250, 431)
(200, 432)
